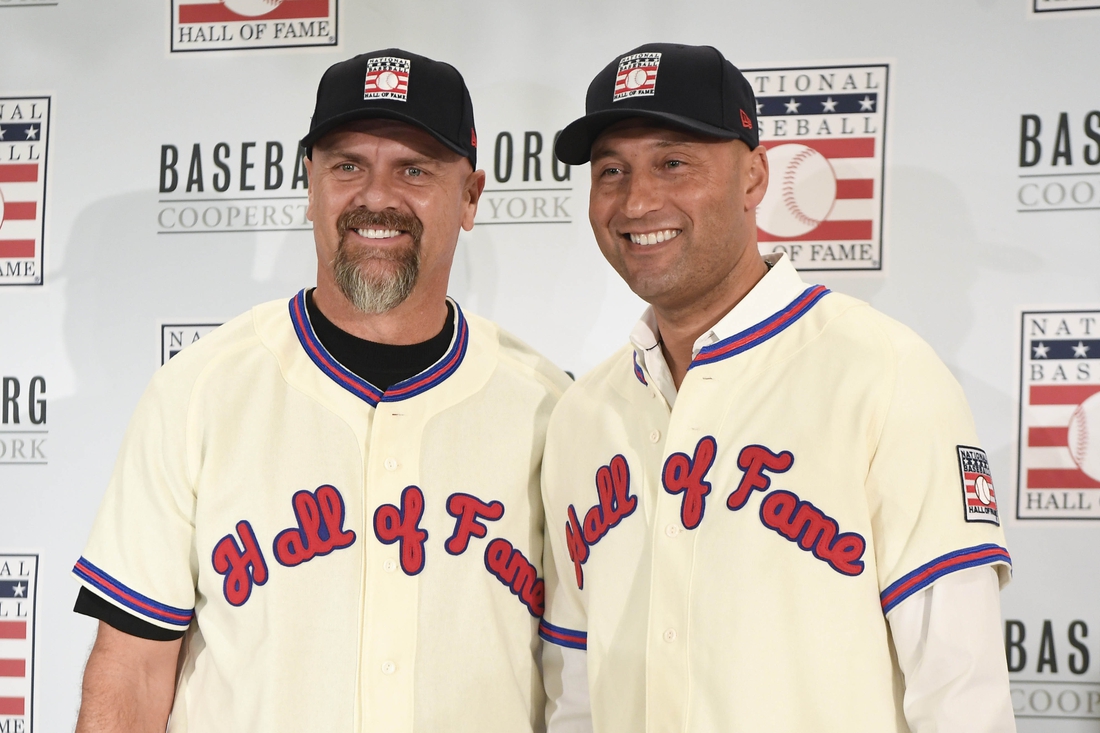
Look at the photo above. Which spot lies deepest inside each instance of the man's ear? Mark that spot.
(471, 194)
(755, 176)
(309, 188)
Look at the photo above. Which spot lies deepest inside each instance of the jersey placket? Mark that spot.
(668, 685)
(389, 634)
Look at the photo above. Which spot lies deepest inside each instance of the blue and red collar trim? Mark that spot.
(762, 331)
(638, 370)
(360, 387)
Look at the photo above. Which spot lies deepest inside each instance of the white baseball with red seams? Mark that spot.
(1083, 438)
(983, 490)
(801, 192)
(387, 80)
(636, 78)
(252, 8)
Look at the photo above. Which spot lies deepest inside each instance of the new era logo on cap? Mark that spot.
(387, 78)
(637, 76)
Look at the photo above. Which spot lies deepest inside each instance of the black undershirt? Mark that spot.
(383, 365)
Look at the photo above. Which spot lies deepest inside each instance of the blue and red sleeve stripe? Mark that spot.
(930, 572)
(142, 605)
(562, 636)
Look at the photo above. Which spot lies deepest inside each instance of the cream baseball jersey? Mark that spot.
(728, 564)
(344, 559)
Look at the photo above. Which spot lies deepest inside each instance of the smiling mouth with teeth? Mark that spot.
(378, 233)
(654, 237)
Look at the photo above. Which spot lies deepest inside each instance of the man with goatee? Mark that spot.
(325, 515)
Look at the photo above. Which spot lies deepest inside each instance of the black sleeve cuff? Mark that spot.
(90, 604)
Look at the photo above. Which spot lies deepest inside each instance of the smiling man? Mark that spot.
(325, 515)
(769, 511)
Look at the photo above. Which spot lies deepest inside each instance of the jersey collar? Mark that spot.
(778, 300)
(360, 387)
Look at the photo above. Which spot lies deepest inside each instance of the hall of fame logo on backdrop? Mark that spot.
(1054, 6)
(24, 137)
(18, 594)
(220, 25)
(1058, 474)
(825, 129)
(175, 337)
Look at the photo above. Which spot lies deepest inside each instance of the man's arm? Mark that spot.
(948, 642)
(129, 684)
(565, 672)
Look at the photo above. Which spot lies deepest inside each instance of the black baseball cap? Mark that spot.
(396, 85)
(693, 88)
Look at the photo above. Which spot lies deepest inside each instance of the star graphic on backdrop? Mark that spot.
(1041, 351)
(1080, 350)
(1, 133)
(792, 106)
(32, 133)
(759, 106)
(867, 104)
(20, 590)
(829, 104)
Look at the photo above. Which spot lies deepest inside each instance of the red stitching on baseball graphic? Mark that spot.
(788, 187)
(1078, 451)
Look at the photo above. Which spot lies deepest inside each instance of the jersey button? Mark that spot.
(655, 436)
(390, 464)
(388, 667)
(389, 566)
(670, 635)
(672, 530)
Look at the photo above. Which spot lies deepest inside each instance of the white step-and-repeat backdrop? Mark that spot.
(151, 188)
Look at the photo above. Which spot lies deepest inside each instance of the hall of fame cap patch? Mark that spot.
(637, 76)
(387, 78)
(979, 498)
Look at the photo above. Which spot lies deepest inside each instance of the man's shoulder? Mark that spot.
(223, 347)
(604, 384)
(859, 324)
(515, 355)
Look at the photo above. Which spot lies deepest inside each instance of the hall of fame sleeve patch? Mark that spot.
(979, 497)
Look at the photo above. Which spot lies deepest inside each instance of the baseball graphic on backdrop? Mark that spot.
(1083, 438)
(1, 209)
(252, 8)
(801, 192)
